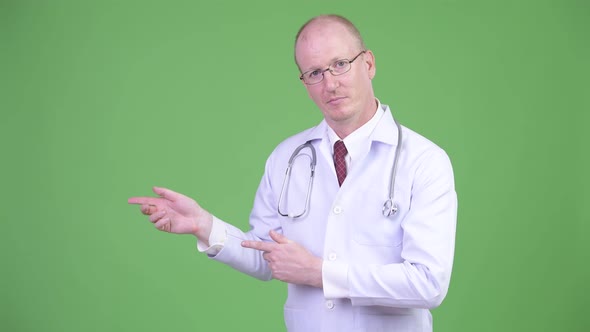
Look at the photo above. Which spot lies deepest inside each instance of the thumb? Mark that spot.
(166, 193)
(278, 238)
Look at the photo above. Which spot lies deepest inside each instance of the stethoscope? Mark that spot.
(389, 207)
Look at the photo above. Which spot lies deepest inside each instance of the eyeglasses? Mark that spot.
(339, 67)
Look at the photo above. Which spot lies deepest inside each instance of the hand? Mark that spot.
(175, 213)
(289, 261)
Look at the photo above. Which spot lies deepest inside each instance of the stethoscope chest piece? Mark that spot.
(389, 208)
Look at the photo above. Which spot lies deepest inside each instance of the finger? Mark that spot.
(279, 238)
(157, 216)
(266, 256)
(148, 209)
(164, 224)
(145, 200)
(259, 245)
(167, 194)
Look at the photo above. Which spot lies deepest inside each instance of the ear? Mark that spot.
(370, 62)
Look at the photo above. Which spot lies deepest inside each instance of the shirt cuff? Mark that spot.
(217, 239)
(335, 279)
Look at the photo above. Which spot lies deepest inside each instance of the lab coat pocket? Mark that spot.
(378, 231)
(385, 319)
(297, 320)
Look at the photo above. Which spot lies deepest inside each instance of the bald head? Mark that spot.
(316, 23)
(324, 45)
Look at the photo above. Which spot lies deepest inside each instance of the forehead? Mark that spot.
(322, 43)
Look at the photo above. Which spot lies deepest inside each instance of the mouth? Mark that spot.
(335, 100)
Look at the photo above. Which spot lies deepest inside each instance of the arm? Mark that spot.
(289, 261)
(175, 213)
(282, 258)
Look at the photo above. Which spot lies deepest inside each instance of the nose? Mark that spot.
(330, 81)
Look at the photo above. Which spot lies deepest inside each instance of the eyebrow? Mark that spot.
(323, 67)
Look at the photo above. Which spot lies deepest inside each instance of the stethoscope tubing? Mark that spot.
(312, 165)
(390, 208)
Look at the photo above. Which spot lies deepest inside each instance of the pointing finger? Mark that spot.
(278, 238)
(145, 200)
(259, 245)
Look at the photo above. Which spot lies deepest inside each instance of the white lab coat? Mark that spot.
(379, 274)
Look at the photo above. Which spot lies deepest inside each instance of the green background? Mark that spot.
(100, 100)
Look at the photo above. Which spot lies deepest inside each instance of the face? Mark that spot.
(347, 101)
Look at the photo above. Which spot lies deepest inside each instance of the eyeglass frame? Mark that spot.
(330, 69)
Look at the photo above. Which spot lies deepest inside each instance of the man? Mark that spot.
(349, 265)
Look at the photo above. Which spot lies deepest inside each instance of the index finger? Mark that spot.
(259, 245)
(144, 200)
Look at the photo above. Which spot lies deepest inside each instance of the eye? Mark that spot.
(340, 64)
(314, 73)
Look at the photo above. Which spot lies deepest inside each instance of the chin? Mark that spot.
(337, 115)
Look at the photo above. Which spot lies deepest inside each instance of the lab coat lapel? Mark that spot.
(386, 130)
(320, 132)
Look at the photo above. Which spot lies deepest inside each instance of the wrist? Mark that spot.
(203, 225)
(318, 279)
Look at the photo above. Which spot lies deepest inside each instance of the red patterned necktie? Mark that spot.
(339, 161)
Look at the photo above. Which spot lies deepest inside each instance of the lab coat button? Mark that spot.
(329, 304)
(337, 209)
(332, 256)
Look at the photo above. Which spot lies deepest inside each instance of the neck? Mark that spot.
(346, 127)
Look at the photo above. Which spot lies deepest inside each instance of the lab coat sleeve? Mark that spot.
(422, 279)
(262, 220)
(245, 260)
(217, 238)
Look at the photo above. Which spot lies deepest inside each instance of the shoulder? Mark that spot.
(280, 155)
(289, 144)
(417, 144)
(424, 155)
